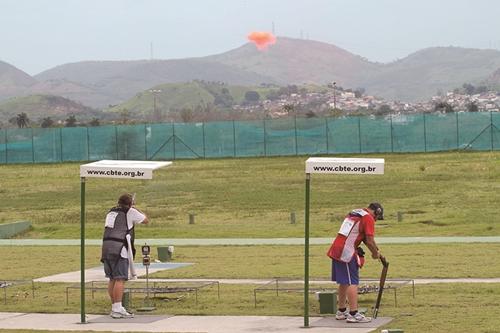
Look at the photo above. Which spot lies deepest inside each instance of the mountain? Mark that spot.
(117, 81)
(418, 76)
(421, 74)
(13, 81)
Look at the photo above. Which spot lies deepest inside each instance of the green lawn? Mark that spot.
(443, 194)
(438, 194)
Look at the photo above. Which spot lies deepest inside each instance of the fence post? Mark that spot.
(32, 146)
(359, 133)
(173, 137)
(458, 140)
(425, 135)
(6, 154)
(203, 129)
(392, 139)
(265, 146)
(88, 144)
(145, 142)
(491, 129)
(296, 143)
(116, 142)
(234, 140)
(61, 143)
(327, 131)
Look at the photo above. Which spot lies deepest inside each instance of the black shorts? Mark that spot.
(116, 269)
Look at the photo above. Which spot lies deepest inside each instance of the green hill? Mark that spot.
(38, 107)
(171, 98)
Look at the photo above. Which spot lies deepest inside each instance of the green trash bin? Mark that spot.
(165, 253)
(327, 302)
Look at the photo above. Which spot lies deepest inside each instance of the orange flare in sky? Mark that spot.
(261, 39)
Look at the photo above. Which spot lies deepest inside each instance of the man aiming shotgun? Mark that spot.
(118, 250)
(347, 257)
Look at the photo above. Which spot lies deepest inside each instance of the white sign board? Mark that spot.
(121, 169)
(346, 166)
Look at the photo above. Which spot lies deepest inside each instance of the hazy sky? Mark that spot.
(36, 35)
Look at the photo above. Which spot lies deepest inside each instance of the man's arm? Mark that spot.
(372, 246)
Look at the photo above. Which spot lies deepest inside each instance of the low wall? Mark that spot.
(8, 230)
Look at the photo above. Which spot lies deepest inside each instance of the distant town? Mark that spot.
(337, 101)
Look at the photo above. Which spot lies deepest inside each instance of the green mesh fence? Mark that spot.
(272, 137)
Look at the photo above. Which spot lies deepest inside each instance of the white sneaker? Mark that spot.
(358, 318)
(341, 315)
(121, 314)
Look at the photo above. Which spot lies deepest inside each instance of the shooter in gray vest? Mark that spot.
(118, 250)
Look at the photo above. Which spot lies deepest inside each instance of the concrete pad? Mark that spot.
(332, 322)
(192, 324)
(97, 273)
(138, 319)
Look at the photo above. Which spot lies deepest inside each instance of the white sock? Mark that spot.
(115, 307)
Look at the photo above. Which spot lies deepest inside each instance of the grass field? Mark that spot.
(437, 194)
(443, 194)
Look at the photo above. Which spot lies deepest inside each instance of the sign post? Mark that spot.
(107, 169)
(331, 165)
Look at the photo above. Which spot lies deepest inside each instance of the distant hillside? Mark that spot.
(173, 97)
(290, 61)
(13, 81)
(423, 73)
(295, 61)
(41, 106)
(121, 80)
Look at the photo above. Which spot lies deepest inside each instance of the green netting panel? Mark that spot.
(408, 133)
(74, 144)
(3, 146)
(311, 136)
(495, 119)
(19, 145)
(250, 138)
(375, 133)
(474, 130)
(103, 143)
(47, 145)
(189, 140)
(280, 137)
(160, 142)
(219, 139)
(441, 131)
(131, 142)
(343, 135)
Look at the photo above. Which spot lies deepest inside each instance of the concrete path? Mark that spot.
(252, 241)
(191, 324)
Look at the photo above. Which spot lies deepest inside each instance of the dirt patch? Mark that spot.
(431, 222)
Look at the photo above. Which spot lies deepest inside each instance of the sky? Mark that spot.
(36, 35)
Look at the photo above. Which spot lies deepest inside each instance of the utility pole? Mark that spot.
(156, 112)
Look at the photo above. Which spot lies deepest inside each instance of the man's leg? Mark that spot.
(111, 286)
(342, 296)
(352, 297)
(117, 291)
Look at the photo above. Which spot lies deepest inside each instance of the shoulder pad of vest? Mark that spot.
(358, 212)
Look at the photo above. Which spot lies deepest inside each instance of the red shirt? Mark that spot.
(356, 226)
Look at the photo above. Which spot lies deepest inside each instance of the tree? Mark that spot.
(288, 108)
(383, 109)
(70, 121)
(187, 115)
(252, 96)
(443, 107)
(472, 107)
(47, 122)
(358, 93)
(94, 122)
(125, 115)
(22, 120)
(469, 88)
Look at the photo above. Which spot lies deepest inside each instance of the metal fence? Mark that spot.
(272, 137)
